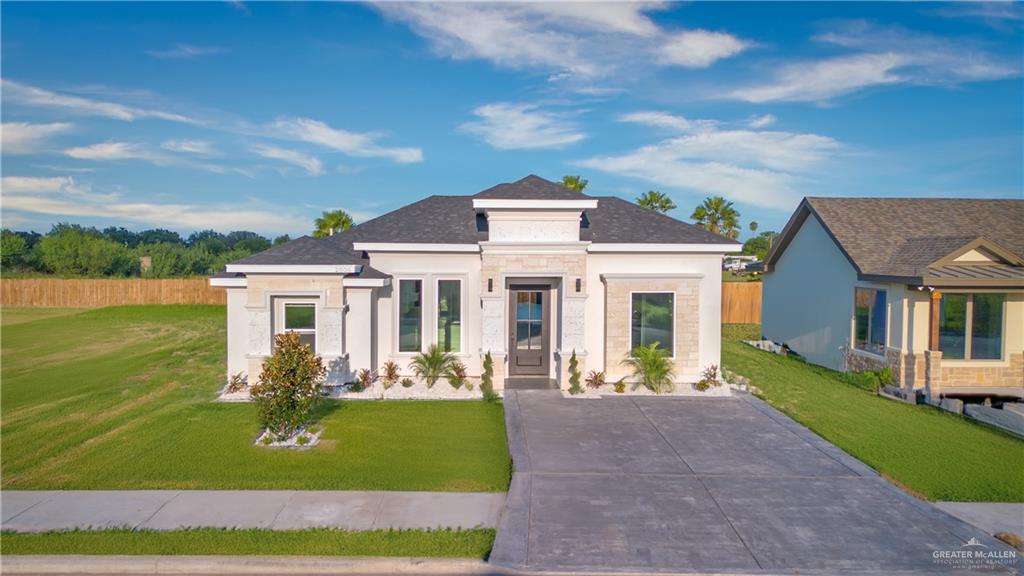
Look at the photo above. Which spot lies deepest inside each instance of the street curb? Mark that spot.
(241, 565)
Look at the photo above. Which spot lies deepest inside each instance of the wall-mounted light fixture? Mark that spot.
(490, 284)
(579, 284)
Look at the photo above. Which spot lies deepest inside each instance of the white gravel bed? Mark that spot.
(293, 441)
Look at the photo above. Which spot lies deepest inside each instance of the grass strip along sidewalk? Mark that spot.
(934, 454)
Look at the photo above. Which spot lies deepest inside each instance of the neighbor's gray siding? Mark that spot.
(808, 297)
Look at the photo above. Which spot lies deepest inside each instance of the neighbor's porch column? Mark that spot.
(934, 316)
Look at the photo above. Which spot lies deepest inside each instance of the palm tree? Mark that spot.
(654, 200)
(717, 215)
(753, 226)
(331, 222)
(574, 183)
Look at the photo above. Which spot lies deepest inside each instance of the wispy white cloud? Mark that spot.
(359, 144)
(763, 168)
(23, 94)
(1005, 16)
(187, 146)
(65, 197)
(184, 51)
(116, 151)
(762, 121)
(509, 126)
(311, 164)
(572, 40)
(26, 138)
(884, 56)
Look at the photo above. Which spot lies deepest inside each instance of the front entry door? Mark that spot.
(529, 329)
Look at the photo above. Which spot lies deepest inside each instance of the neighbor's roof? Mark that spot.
(453, 220)
(902, 239)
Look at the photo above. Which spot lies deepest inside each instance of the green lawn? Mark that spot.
(211, 541)
(120, 398)
(938, 455)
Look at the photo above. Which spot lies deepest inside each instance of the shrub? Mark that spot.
(302, 440)
(574, 375)
(595, 379)
(237, 383)
(620, 386)
(432, 364)
(456, 374)
(487, 379)
(708, 379)
(652, 367)
(289, 387)
(365, 378)
(407, 383)
(389, 374)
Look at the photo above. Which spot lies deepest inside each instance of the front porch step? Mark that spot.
(528, 383)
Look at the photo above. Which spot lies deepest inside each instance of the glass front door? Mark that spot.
(530, 337)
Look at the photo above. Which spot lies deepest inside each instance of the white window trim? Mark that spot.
(462, 311)
(280, 302)
(853, 324)
(629, 318)
(398, 313)
(967, 360)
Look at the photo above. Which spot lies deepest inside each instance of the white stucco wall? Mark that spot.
(807, 300)
(708, 266)
(238, 339)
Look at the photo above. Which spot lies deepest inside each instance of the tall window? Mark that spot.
(869, 320)
(301, 319)
(971, 326)
(652, 320)
(449, 315)
(410, 315)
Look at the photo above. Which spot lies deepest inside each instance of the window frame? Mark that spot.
(462, 311)
(398, 313)
(280, 305)
(969, 330)
(629, 318)
(853, 322)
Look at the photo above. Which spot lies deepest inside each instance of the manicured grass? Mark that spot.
(938, 455)
(9, 316)
(121, 398)
(474, 543)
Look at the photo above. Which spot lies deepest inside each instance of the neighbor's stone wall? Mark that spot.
(618, 322)
(939, 376)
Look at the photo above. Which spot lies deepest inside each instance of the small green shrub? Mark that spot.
(289, 386)
(469, 385)
(267, 440)
(432, 364)
(620, 386)
(456, 374)
(487, 379)
(302, 440)
(366, 378)
(356, 385)
(389, 374)
(407, 383)
(708, 379)
(574, 375)
(595, 379)
(652, 368)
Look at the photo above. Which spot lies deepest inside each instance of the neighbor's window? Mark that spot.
(652, 314)
(449, 315)
(301, 319)
(971, 326)
(869, 320)
(410, 315)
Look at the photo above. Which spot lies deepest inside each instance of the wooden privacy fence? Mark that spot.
(82, 293)
(741, 303)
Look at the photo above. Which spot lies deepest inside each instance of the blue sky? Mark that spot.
(259, 115)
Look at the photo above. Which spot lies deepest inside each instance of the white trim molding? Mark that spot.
(649, 276)
(577, 247)
(366, 282)
(640, 248)
(295, 268)
(520, 204)
(412, 247)
(241, 282)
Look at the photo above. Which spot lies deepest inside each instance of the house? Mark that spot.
(932, 288)
(529, 271)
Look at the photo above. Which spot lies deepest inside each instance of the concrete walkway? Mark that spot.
(992, 517)
(38, 511)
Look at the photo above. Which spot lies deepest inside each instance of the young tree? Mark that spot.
(574, 183)
(759, 245)
(332, 222)
(654, 200)
(282, 239)
(289, 386)
(12, 249)
(717, 215)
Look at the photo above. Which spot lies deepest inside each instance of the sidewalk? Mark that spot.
(38, 511)
(992, 517)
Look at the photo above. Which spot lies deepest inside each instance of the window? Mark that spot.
(410, 315)
(449, 315)
(869, 320)
(300, 317)
(971, 326)
(651, 320)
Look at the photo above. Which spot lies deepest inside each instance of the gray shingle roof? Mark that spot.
(453, 220)
(900, 237)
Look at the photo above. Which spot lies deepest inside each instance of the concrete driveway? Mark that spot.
(702, 485)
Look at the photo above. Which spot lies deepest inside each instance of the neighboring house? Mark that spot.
(933, 288)
(529, 271)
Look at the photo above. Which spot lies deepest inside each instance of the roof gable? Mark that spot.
(532, 187)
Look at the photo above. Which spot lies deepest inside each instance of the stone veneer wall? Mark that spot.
(571, 265)
(618, 312)
(1010, 375)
